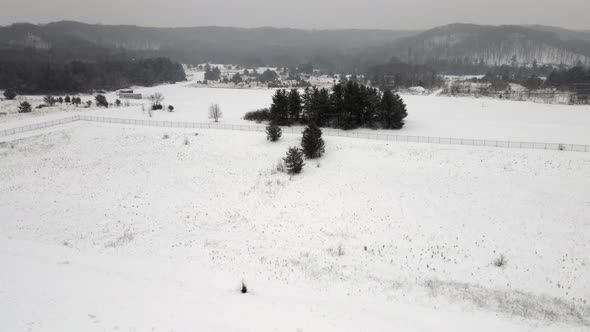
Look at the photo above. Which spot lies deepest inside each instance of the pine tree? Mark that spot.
(279, 110)
(60, 100)
(312, 142)
(393, 111)
(24, 107)
(273, 133)
(294, 106)
(294, 160)
(101, 101)
(67, 99)
(400, 112)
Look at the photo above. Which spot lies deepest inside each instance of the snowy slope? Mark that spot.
(131, 231)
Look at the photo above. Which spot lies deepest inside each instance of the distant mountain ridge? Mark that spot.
(496, 45)
(332, 49)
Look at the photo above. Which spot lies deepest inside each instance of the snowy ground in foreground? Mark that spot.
(113, 227)
(431, 116)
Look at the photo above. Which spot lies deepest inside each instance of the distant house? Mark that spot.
(128, 94)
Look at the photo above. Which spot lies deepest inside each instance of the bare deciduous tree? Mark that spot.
(215, 112)
(157, 98)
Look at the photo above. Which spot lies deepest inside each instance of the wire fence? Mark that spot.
(297, 130)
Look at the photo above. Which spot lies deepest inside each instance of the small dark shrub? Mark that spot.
(24, 107)
(101, 101)
(118, 102)
(67, 99)
(166, 136)
(49, 100)
(273, 133)
(294, 160)
(170, 108)
(244, 288)
(500, 261)
(258, 115)
(156, 107)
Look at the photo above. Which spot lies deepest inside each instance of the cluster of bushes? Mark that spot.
(36, 76)
(347, 105)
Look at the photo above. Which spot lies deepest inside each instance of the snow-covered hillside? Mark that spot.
(107, 227)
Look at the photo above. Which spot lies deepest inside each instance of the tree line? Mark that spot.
(347, 105)
(42, 77)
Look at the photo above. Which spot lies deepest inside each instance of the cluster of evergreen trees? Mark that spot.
(312, 147)
(573, 78)
(530, 77)
(347, 105)
(40, 76)
(212, 74)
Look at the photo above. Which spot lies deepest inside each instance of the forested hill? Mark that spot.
(36, 75)
(258, 46)
(336, 50)
(495, 45)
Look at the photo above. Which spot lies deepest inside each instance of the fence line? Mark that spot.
(297, 130)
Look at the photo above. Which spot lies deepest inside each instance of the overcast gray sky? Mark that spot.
(309, 14)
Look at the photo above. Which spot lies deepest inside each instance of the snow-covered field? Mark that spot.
(111, 227)
(431, 116)
(108, 227)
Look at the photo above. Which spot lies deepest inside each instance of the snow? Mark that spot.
(110, 227)
(430, 116)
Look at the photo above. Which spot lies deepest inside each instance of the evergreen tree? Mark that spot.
(212, 74)
(393, 111)
(279, 110)
(101, 101)
(312, 142)
(9, 94)
(60, 100)
(337, 103)
(24, 107)
(294, 106)
(294, 160)
(67, 100)
(273, 133)
(324, 109)
(237, 79)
